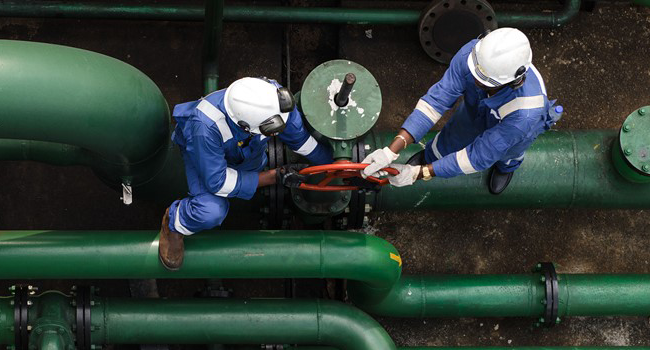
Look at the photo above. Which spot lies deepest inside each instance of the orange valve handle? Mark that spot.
(340, 170)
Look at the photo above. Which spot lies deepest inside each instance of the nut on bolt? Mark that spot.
(642, 111)
(627, 128)
(645, 168)
(628, 151)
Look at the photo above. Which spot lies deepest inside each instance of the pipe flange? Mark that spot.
(277, 216)
(552, 299)
(83, 321)
(447, 25)
(21, 306)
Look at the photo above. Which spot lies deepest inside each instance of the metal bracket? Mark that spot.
(127, 194)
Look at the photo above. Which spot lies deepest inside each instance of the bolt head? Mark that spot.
(543, 279)
(628, 151)
(646, 168)
(366, 147)
(541, 320)
(557, 320)
(642, 111)
(626, 128)
(544, 301)
(29, 327)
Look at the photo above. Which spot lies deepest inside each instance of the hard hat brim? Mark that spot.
(473, 67)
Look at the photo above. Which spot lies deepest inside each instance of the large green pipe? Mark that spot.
(478, 348)
(223, 321)
(105, 111)
(222, 254)
(265, 14)
(562, 169)
(507, 296)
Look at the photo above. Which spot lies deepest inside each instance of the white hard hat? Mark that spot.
(501, 57)
(258, 106)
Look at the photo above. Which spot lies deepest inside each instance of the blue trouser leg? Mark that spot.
(200, 211)
(510, 165)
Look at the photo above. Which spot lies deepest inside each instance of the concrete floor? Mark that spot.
(597, 66)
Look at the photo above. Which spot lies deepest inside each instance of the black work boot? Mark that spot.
(417, 159)
(498, 180)
(170, 246)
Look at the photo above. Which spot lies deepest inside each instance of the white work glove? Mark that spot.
(407, 174)
(378, 160)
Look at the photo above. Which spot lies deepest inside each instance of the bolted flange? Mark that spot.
(631, 154)
(447, 25)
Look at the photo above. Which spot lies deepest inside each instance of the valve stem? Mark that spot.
(341, 98)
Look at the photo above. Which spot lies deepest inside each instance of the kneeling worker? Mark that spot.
(504, 109)
(223, 139)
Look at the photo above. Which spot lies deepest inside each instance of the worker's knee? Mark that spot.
(212, 210)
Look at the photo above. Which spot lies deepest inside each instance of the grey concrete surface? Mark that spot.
(598, 66)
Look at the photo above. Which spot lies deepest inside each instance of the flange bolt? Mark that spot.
(642, 111)
(626, 128)
(646, 168)
(628, 151)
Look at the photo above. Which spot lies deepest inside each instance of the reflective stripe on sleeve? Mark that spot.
(539, 78)
(429, 111)
(307, 147)
(519, 103)
(434, 147)
(229, 184)
(463, 162)
(217, 117)
(178, 227)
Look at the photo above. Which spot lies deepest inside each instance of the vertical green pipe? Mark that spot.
(228, 321)
(211, 44)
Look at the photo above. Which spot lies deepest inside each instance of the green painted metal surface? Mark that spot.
(507, 296)
(561, 169)
(210, 321)
(221, 254)
(631, 156)
(321, 112)
(6, 320)
(211, 44)
(64, 95)
(267, 14)
(478, 348)
(51, 320)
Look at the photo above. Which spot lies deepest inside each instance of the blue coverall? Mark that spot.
(483, 131)
(223, 161)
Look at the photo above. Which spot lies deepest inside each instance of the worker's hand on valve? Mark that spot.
(289, 176)
(378, 160)
(407, 174)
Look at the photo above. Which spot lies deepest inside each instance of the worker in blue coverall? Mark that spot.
(504, 109)
(223, 139)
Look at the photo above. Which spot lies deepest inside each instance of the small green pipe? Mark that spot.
(265, 14)
(45, 152)
(221, 254)
(231, 321)
(540, 20)
(211, 44)
(507, 296)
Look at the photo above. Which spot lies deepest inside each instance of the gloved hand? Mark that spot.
(363, 185)
(378, 160)
(288, 175)
(407, 174)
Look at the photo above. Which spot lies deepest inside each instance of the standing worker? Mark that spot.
(504, 109)
(223, 139)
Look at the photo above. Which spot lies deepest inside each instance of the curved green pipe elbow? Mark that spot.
(231, 321)
(59, 94)
(222, 254)
(542, 20)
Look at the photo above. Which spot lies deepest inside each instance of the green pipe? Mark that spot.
(6, 320)
(265, 14)
(98, 107)
(211, 44)
(231, 321)
(222, 254)
(540, 20)
(562, 169)
(45, 152)
(507, 296)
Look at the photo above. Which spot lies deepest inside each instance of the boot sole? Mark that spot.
(166, 266)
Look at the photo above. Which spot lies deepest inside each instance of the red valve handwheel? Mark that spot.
(340, 170)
